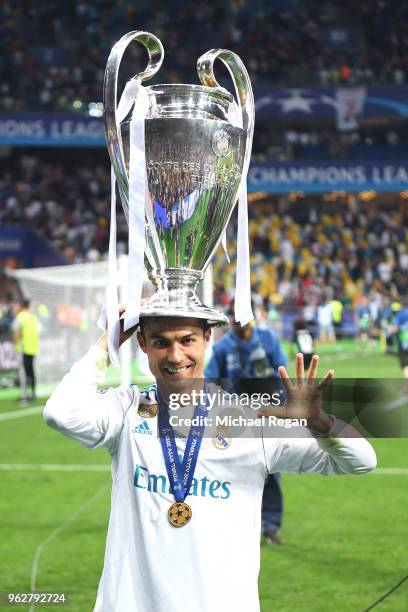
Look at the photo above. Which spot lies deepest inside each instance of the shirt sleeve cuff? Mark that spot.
(337, 435)
(341, 429)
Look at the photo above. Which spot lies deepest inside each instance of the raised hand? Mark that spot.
(304, 397)
(103, 340)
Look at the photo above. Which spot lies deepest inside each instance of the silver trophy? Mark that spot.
(196, 153)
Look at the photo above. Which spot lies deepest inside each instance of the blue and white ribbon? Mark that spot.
(181, 474)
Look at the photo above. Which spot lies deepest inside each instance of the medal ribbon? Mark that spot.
(180, 474)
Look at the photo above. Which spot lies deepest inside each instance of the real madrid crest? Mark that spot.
(147, 411)
(222, 440)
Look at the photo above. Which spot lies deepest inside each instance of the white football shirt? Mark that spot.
(212, 563)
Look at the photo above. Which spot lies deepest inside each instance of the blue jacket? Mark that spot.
(401, 320)
(258, 357)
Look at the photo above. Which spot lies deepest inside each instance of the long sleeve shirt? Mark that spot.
(212, 563)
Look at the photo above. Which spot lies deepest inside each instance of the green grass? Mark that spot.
(344, 538)
(34, 503)
(344, 543)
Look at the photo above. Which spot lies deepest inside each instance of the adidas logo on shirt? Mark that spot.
(143, 428)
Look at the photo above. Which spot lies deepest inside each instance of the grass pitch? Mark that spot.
(344, 538)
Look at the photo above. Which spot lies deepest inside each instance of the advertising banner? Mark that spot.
(80, 130)
(323, 102)
(321, 177)
(51, 129)
(350, 104)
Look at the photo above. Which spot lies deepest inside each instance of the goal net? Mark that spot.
(67, 301)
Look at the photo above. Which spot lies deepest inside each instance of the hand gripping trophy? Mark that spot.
(180, 156)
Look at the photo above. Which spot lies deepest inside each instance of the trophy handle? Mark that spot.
(243, 88)
(113, 135)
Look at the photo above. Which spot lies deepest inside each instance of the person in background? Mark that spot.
(26, 334)
(337, 312)
(6, 313)
(384, 324)
(325, 322)
(303, 340)
(362, 317)
(400, 328)
(244, 353)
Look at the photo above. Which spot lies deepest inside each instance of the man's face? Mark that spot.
(175, 348)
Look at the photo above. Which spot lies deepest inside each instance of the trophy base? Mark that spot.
(176, 297)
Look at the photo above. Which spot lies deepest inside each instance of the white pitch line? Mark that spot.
(397, 471)
(54, 533)
(344, 355)
(399, 401)
(54, 467)
(16, 414)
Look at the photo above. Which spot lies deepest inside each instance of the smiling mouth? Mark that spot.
(174, 371)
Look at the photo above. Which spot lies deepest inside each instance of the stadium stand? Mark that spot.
(299, 254)
(62, 199)
(53, 54)
(349, 249)
(63, 194)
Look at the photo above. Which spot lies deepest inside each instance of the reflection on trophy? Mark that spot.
(197, 147)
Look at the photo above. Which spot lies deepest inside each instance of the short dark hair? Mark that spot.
(25, 303)
(144, 322)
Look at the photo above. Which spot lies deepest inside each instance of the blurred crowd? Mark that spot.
(306, 256)
(273, 141)
(298, 252)
(66, 203)
(53, 54)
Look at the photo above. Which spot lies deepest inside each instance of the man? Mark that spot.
(26, 331)
(201, 566)
(363, 322)
(325, 321)
(250, 352)
(303, 340)
(400, 329)
(337, 308)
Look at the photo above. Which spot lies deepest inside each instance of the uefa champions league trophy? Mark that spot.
(197, 147)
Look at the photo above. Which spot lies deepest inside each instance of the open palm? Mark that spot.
(303, 396)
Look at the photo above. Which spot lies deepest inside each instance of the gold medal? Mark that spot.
(147, 411)
(179, 514)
